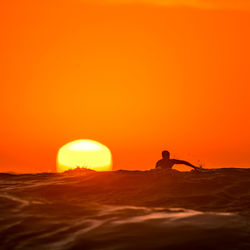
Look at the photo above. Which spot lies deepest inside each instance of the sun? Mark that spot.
(84, 153)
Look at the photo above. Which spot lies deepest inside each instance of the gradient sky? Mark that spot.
(138, 76)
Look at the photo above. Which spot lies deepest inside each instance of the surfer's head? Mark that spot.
(165, 154)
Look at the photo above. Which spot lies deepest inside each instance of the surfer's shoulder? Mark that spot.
(159, 162)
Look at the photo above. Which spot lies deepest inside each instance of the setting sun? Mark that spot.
(86, 154)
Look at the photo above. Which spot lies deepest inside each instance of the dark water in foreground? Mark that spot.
(126, 210)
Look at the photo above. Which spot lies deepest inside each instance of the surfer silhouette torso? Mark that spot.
(167, 163)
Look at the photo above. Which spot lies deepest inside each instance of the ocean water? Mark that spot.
(126, 210)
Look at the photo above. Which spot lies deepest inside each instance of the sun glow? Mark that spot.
(84, 153)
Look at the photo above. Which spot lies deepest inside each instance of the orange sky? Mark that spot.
(138, 77)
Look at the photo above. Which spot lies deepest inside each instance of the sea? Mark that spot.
(153, 209)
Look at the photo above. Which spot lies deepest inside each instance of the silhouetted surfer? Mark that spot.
(167, 163)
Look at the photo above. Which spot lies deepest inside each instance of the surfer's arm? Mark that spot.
(157, 165)
(184, 163)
